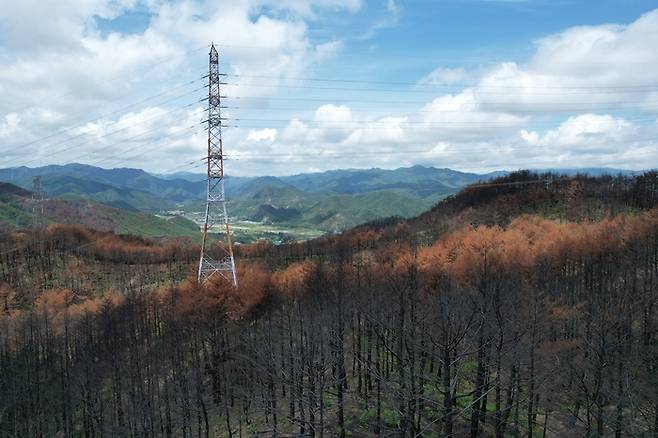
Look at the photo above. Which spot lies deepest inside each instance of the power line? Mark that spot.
(148, 67)
(411, 101)
(124, 159)
(253, 119)
(315, 156)
(381, 90)
(70, 128)
(459, 85)
(434, 59)
(144, 152)
(435, 154)
(320, 155)
(402, 123)
(107, 134)
(654, 106)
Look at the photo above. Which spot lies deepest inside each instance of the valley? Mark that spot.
(275, 208)
(278, 209)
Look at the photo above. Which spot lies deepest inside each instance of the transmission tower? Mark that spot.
(37, 202)
(216, 215)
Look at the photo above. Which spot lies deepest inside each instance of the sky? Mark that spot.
(473, 85)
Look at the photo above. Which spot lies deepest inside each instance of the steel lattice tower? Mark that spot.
(37, 202)
(216, 215)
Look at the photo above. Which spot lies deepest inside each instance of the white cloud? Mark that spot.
(327, 50)
(333, 113)
(585, 133)
(265, 134)
(307, 8)
(392, 7)
(464, 112)
(391, 19)
(74, 72)
(581, 68)
(445, 76)
(556, 109)
(9, 125)
(512, 116)
(37, 26)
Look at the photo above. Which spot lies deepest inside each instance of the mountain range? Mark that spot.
(327, 201)
(17, 206)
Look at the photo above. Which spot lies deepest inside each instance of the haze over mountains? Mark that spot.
(327, 201)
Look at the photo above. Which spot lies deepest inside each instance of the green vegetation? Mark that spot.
(290, 208)
(249, 232)
(345, 211)
(73, 188)
(12, 214)
(16, 211)
(150, 225)
(319, 202)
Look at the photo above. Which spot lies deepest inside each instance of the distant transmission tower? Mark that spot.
(216, 215)
(37, 202)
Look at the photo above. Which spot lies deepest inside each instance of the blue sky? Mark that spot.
(313, 85)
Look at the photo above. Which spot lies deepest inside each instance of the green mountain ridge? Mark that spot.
(172, 190)
(72, 188)
(327, 201)
(345, 211)
(17, 206)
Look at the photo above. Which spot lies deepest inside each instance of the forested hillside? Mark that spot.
(17, 211)
(326, 202)
(521, 307)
